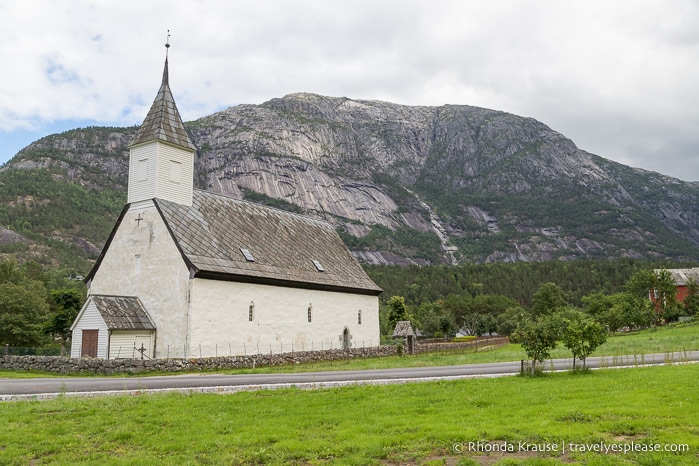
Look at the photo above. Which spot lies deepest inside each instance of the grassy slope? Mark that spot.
(369, 424)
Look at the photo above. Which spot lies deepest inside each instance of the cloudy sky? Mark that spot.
(617, 77)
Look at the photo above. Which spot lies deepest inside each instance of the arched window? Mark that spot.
(251, 312)
(359, 317)
(310, 312)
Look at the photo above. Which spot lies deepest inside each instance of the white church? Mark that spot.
(186, 273)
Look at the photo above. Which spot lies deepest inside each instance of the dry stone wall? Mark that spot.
(63, 365)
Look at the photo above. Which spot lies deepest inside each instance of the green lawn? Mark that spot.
(417, 423)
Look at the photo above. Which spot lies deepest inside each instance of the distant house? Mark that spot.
(682, 277)
(187, 273)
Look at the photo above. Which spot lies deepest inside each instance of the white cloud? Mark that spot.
(616, 77)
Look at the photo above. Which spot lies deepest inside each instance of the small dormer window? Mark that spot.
(318, 266)
(247, 254)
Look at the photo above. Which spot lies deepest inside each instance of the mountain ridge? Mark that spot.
(408, 184)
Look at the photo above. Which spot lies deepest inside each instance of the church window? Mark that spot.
(251, 312)
(142, 170)
(318, 266)
(359, 317)
(310, 312)
(138, 264)
(247, 254)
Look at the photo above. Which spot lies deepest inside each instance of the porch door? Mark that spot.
(89, 347)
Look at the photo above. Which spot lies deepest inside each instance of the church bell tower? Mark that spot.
(161, 156)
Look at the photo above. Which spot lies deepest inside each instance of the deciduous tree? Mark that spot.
(538, 338)
(581, 334)
(548, 299)
(397, 311)
(23, 311)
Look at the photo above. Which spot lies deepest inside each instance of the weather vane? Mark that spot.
(167, 43)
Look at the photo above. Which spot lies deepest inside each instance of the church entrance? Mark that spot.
(89, 344)
(346, 339)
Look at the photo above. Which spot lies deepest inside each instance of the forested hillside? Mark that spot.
(500, 297)
(517, 281)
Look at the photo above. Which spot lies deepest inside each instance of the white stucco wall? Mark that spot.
(89, 319)
(220, 324)
(160, 279)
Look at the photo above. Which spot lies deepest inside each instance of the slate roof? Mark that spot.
(403, 329)
(286, 248)
(123, 312)
(682, 276)
(163, 121)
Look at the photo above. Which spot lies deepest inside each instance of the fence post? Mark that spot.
(521, 367)
(7, 349)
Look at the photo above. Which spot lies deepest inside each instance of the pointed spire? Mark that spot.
(167, 49)
(163, 121)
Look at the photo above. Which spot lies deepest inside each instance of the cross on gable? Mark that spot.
(138, 219)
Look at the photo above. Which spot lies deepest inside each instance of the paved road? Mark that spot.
(40, 388)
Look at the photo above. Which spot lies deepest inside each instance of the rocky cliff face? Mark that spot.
(415, 184)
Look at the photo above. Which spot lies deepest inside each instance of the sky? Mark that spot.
(620, 78)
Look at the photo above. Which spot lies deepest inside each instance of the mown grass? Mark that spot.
(416, 423)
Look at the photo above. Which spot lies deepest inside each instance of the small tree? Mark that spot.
(446, 326)
(582, 335)
(538, 338)
(397, 311)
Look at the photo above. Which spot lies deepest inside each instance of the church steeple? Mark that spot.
(163, 121)
(162, 154)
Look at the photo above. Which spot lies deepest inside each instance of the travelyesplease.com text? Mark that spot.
(566, 447)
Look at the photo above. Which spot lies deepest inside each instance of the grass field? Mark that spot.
(419, 423)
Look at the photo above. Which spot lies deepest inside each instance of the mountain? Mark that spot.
(402, 184)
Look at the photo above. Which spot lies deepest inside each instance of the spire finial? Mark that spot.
(167, 49)
(167, 43)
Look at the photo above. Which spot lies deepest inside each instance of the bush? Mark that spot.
(463, 339)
